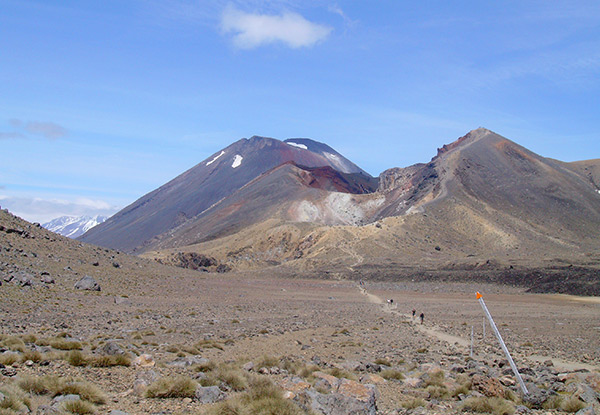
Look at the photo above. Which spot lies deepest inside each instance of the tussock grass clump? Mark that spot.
(29, 338)
(438, 392)
(414, 403)
(435, 378)
(267, 361)
(8, 359)
(172, 387)
(110, 361)
(62, 344)
(392, 374)
(37, 385)
(14, 343)
(307, 371)
(262, 397)
(204, 367)
(382, 361)
(15, 400)
(496, 406)
(207, 344)
(79, 407)
(341, 373)
(76, 358)
(572, 404)
(33, 356)
(232, 377)
(85, 390)
(464, 389)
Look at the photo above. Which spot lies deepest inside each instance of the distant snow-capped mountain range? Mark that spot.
(73, 226)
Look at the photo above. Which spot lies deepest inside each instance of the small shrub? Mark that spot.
(172, 349)
(496, 406)
(79, 407)
(422, 350)
(172, 387)
(391, 374)
(462, 389)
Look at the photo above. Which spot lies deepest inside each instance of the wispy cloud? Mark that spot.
(45, 129)
(254, 30)
(12, 135)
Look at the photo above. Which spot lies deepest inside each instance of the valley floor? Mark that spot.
(295, 326)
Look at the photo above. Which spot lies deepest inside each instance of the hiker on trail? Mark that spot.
(414, 312)
(422, 316)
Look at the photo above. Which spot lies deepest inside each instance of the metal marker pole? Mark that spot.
(471, 342)
(484, 327)
(506, 352)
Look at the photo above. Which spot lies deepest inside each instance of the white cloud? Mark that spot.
(35, 209)
(253, 30)
(46, 129)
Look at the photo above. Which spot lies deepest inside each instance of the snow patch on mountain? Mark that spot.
(73, 226)
(337, 162)
(302, 146)
(237, 161)
(215, 159)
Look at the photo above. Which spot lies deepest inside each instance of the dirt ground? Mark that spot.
(337, 323)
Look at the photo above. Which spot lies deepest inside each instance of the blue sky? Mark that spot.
(102, 102)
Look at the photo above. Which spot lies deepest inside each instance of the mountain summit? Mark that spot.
(210, 183)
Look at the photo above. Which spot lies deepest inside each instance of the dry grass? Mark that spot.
(14, 343)
(7, 359)
(261, 398)
(79, 407)
(382, 361)
(414, 403)
(572, 404)
(341, 373)
(496, 406)
(14, 400)
(435, 378)
(392, 374)
(62, 344)
(207, 344)
(33, 356)
(172, 387)
(110, 361)
(76, 358)
(85, 390)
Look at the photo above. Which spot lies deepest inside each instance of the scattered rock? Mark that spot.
(248, 367)
(487, 386)
(112, 349)
(144, 360)
(209, 394)
(188, 361)
(87, 283)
